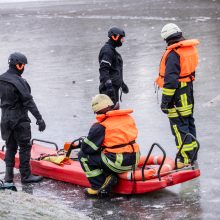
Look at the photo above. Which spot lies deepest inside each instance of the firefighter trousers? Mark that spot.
(180, 126)
(99, 165)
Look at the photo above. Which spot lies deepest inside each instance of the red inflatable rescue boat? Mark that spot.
(144, 179)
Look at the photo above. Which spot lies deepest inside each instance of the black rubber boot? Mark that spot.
(105, 189)
(31, 179)
(9, 186)
(9, 174)
(25, 170)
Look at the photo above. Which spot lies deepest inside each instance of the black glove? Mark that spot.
(164, 107)
(125, 88)
(110, 91)
(81, 139)
(111, 94)
(41, 125)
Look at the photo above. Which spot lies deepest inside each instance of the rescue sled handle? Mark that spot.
(73, 146)
(184, 140)
(48, 142)
(3, 147)
(145, 162)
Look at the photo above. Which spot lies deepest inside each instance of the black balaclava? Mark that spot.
(117, 43)
(175, 38)
(19, 72)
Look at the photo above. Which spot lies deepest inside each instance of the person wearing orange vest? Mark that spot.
(110, 146)
(176, 76)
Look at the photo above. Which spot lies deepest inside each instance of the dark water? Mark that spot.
(62, 40)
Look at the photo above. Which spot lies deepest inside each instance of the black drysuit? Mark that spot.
(16, 101)
(111, 69)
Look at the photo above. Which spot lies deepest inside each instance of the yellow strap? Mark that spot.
(55, 159)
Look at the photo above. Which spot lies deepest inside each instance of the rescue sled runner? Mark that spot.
(152, 173)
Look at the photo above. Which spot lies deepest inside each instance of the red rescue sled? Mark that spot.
(73, 173)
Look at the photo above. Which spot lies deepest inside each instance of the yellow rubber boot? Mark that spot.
(180, 165)
(91, 192)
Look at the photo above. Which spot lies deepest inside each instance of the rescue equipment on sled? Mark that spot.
(151, 172)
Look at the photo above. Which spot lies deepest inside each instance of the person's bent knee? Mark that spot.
(81, 154)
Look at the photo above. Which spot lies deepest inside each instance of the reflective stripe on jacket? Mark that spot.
(120, 131)
(188, 61)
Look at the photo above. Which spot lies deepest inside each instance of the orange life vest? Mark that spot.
(120, 131)
(188, 60)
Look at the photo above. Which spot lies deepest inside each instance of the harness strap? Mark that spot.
(122, 145)
(191, 76)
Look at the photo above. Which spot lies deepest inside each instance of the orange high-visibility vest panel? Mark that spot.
(120, 129)
(188, 54)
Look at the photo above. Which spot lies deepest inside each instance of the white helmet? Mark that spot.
(100, 102)
(169, 29)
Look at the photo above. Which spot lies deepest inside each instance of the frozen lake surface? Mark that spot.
(62, 40)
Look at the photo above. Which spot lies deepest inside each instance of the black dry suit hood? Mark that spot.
(113, 32)
(17, 58)
(15, 70)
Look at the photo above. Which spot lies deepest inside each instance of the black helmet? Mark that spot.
(116, 31)
(17, 58)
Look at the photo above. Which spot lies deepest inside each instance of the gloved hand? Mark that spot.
(41, 125)
(81, 139)
(164, 107)
(111, 94)
(110, 91)
(125, 88)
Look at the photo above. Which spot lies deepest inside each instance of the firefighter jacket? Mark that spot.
(176, 74)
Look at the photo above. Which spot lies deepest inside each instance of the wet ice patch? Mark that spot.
(201, 18)
(110, 212)
(19, 15)
(65, 16)
(155, 206)
(158, 206)
(119, 17)
(44, 16)
(12, 1)
(213, 102)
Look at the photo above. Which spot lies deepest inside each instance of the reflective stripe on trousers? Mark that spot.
(117, 165)
(186, 147)
(89, 173)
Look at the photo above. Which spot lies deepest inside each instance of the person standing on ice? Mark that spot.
(111, 66)
(110, 146)
(16, 101)
(176, 76)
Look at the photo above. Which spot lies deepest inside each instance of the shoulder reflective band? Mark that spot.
(105, 61)
(91, 144)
